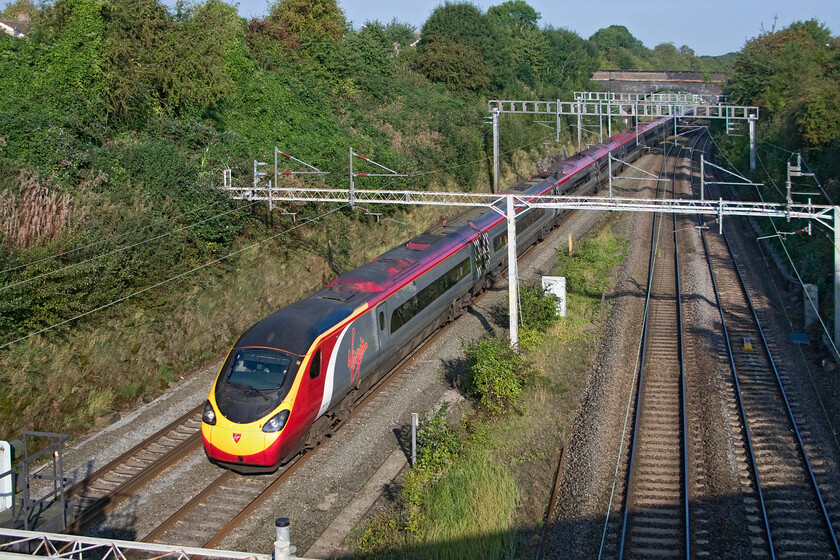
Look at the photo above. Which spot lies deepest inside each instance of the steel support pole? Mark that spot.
(580, 126)
(836, 227)
(702, 175)
(636, 127)
(609, 170)
(557, 134)
(513, 273)
(496, 150)
(600, 122)
(352, 198)
(752, 142)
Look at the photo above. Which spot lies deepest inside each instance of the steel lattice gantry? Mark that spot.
(611, 105)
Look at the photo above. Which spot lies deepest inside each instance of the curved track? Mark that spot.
(104, 489)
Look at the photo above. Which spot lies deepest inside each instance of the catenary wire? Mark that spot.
(112, 237)
(124, 248)
(173, 278)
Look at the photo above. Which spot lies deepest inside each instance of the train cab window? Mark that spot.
(381, 320)
(258, 369)
(315, 366)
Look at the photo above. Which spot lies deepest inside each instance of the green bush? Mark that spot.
(539, 307)
(496, 373)
(437, 442)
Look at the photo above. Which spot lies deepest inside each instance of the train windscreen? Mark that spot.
(260, 369)
(253, 382)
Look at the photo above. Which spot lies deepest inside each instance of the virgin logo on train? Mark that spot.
(236, 438)
(355, 355)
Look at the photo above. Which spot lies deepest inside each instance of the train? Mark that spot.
(295, 376)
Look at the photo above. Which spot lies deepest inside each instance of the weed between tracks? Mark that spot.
(481, 487)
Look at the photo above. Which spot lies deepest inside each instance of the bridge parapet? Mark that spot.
(645, 82)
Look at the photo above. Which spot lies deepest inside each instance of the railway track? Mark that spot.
(788, 516)
(103, 490)
(206, 519)
(653, 485)
(788, 512)
(656, 519)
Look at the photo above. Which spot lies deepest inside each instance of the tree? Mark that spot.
(570, 60)
(455, 64)
(400, 33)
(17, 7)
(74, 64)
(462, 27)
(619, 48)
(514, 15)
(310, 18)
(792, 75)
(524, 42)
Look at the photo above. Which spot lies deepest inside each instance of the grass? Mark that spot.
(489, 500)
(469, 509)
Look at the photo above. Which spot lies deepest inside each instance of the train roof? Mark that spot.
(312, 317)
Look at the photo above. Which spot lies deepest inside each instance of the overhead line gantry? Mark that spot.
(610, 105)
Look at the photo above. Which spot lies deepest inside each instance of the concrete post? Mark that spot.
(281, 539)
(513, 274)
(414, 422)
(7, 488)
(495, 150)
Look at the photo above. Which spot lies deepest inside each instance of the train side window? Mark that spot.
(499, 241)
(425, 297)
(315, 365)
(381, 320)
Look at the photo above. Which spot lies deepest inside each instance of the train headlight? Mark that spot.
(209, 416)
(277, 422)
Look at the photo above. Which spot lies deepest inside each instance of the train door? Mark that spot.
(315, 381)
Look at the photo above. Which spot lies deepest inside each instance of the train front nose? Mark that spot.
(244, 444)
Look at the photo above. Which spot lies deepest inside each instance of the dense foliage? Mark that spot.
(496, 373)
